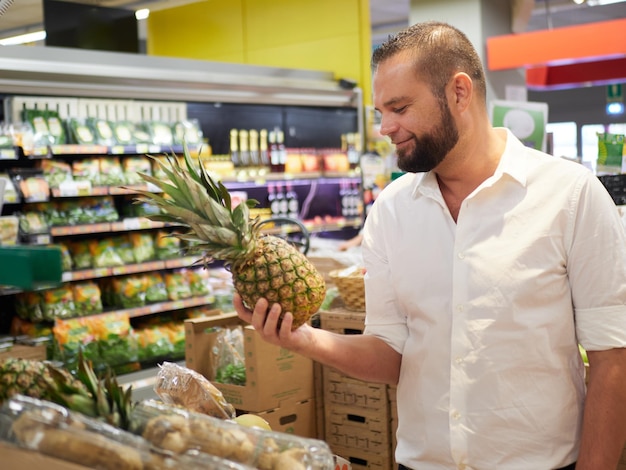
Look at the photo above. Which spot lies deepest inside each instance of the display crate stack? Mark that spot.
(357, 415)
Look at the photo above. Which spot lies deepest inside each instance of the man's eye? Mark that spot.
(399, 110)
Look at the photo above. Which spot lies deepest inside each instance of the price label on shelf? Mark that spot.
(75, 188)
(136, 223)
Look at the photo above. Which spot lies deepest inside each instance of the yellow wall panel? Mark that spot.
(328, 35)
(334, 54)
(270, 23)
(201, 30)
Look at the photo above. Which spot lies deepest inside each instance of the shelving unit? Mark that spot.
(140, 87)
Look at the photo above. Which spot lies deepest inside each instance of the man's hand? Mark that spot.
(265, 320)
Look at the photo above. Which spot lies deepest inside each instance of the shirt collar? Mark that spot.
(511, 164)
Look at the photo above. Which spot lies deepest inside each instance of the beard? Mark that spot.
(430, 149)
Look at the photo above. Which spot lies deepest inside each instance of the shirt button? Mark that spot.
(459, 308)
(461, 466)
(458, 360)
(456, 415)
(461, 255)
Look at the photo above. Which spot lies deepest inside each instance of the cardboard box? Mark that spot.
(393, 411)
(21, 351)
(296, 418)
(359, 428)
(364, 460)
(346, 391)
(15, 458)
(274, 375)
(343, 321)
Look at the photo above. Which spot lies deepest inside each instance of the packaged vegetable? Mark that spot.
(103, 131)
(129, 291)
(177, 285)
(123, 132)
(167, 245)
(80, 132)
(133, 165)
(178, 385)
(153, 343)
(124, 248)
(111, 172)
(52, 430)
(179, 430)
(156, 290)
(103, 253)
(56, 128)
(115, 337)
(198, 281)
(28, 306)
(228, 356)
(55, 172)
(87, 169)
(58, 303)
(9, 230)
(81, 254)
(143, 246)
(87, 298)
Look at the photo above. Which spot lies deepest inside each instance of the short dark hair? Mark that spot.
(439, 50)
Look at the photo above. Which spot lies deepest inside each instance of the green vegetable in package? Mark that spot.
(177, 286)
(58, 303)
(610, 149)
(143, 246)
(103, 253)
(87, 298)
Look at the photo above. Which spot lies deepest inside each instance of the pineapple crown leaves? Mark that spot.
(192, 198)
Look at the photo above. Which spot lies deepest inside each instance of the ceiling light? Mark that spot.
(579, 2)
(142, 14)
(593, 3)
(24, 38)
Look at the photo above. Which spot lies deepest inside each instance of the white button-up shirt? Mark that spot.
(487, 312)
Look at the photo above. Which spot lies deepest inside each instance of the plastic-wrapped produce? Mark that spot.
(178, 430)
(52, 430)
(182, 386)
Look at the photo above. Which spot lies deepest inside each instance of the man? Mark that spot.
(487, 264)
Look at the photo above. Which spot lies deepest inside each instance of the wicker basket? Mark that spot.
(351, 287)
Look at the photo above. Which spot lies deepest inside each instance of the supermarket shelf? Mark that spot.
(166, 306)
(130, 223)
(158, 265)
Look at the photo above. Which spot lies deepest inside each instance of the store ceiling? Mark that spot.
(387, 16)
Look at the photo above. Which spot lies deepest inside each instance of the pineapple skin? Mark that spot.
(280, 273)
(27, 377)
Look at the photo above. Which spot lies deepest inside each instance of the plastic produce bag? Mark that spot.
(54, 431)
(228, 356)
(179, 385)
(178, 430)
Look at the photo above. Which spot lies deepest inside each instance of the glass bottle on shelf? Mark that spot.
(272, 201)
(282, 150)
(234, 148)
(244, 152)
(274, 153)
(264, 156)
(293, 204)
(254, 147)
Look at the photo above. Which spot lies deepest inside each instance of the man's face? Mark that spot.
(419, 123)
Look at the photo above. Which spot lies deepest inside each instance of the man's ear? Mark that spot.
(463, 88)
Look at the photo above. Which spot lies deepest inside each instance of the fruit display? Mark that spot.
(56, 432)
(261, 265)
(178, 431)
(93, 421)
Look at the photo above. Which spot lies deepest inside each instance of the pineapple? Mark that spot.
(261, 265)
(28, 377)
(85, 393)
